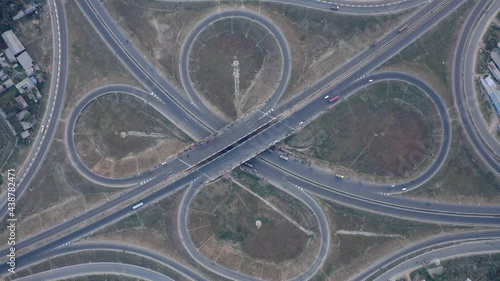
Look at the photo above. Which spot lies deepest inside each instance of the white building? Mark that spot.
(25, 60)
(15, 46)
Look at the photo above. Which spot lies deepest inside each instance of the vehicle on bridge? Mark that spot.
(403, 28)
(135, 207)
(335, 98)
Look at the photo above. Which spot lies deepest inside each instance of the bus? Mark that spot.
(335, 98)
(135, 207)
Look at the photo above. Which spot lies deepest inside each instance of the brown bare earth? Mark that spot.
(233, 239)
(387, 130)
(350, 252)
(211, 59)
(108, 128)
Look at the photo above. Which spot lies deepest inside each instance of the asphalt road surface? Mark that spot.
(470, 116)
(433, 242)
(98, 268)
(464, 249)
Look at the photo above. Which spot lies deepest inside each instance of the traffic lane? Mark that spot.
(328, 181)
(272, 28)
(406, 38)
(97, 268)
(323, 105)
(434, 14)
(147, 72)
(50, 118)
(115, 247)
(375, 206)
(459, 95)
(468, 66)
(101, 222)
(465, 249)
(427, 243)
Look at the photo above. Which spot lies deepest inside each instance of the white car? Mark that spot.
(327, 96)
(393, 185)
(371, 80)
(403, 189)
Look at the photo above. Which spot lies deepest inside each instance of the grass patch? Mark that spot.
(378, 131)
(479, 267)
(211, 62)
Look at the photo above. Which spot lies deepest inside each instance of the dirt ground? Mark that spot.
(126, 132)
(211, 64)
(321, 40)
(350, 252)
(475, 267)
(158, 28)
(386, 130)
(222, 225)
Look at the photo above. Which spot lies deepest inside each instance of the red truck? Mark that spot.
(335, 98)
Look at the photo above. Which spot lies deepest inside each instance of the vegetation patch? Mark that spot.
(479, 267)
(383, 130)
(211, 61)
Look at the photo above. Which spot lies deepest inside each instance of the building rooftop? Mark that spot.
(25, 60)
(12, 42)
(22, 102)
(495, 56)
(25, 85)
(21, 114)
(494, 70)
(9, 55)
(8, 83)
(25, 134)
(493, 92)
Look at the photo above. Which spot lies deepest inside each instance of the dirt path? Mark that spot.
(308, 232)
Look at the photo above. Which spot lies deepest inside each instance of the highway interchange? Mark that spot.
(199, 165)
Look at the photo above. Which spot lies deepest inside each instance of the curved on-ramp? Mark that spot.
(98, 268)
(383, 264)
(463, 85)
(115, 247)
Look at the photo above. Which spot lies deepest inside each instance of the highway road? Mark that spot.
(55, 99)
(425, 244)
(347, 74)
(238, 13)
(114, 247)
(255, 144)
(463, 84)
(464, 249)
(201, 117)
(98, 268)
(429, 243)
(193, 251)
(226, 161)
(346, 7)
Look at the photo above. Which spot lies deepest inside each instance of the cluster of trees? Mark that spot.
(8, 9)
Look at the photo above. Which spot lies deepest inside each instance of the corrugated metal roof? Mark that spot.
(12, 42)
